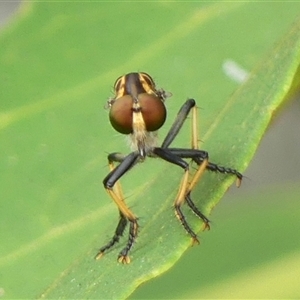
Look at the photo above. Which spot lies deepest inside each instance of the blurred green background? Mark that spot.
(253, 248)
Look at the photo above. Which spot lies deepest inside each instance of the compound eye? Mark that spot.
(153, 111)
(120, 114)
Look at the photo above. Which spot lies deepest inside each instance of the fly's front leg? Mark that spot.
(198, 156)
(225, 170)
(220, 169)
(112, 158)
(113, 188)
(179, 121)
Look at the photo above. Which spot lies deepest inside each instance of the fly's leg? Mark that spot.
(113, 188)
(167, 155)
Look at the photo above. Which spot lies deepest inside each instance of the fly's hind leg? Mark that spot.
(196, 211)
(188, 107)
(167, 155)
(193, 180)
(201, 159)
(201, 169)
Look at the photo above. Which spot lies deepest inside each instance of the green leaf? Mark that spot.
(58, 62)
(255, 248)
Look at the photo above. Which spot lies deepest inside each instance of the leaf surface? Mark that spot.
(58, 63)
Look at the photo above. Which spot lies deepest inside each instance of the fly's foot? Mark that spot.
(124, 259)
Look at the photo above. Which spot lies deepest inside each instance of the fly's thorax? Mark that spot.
(145, 144)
